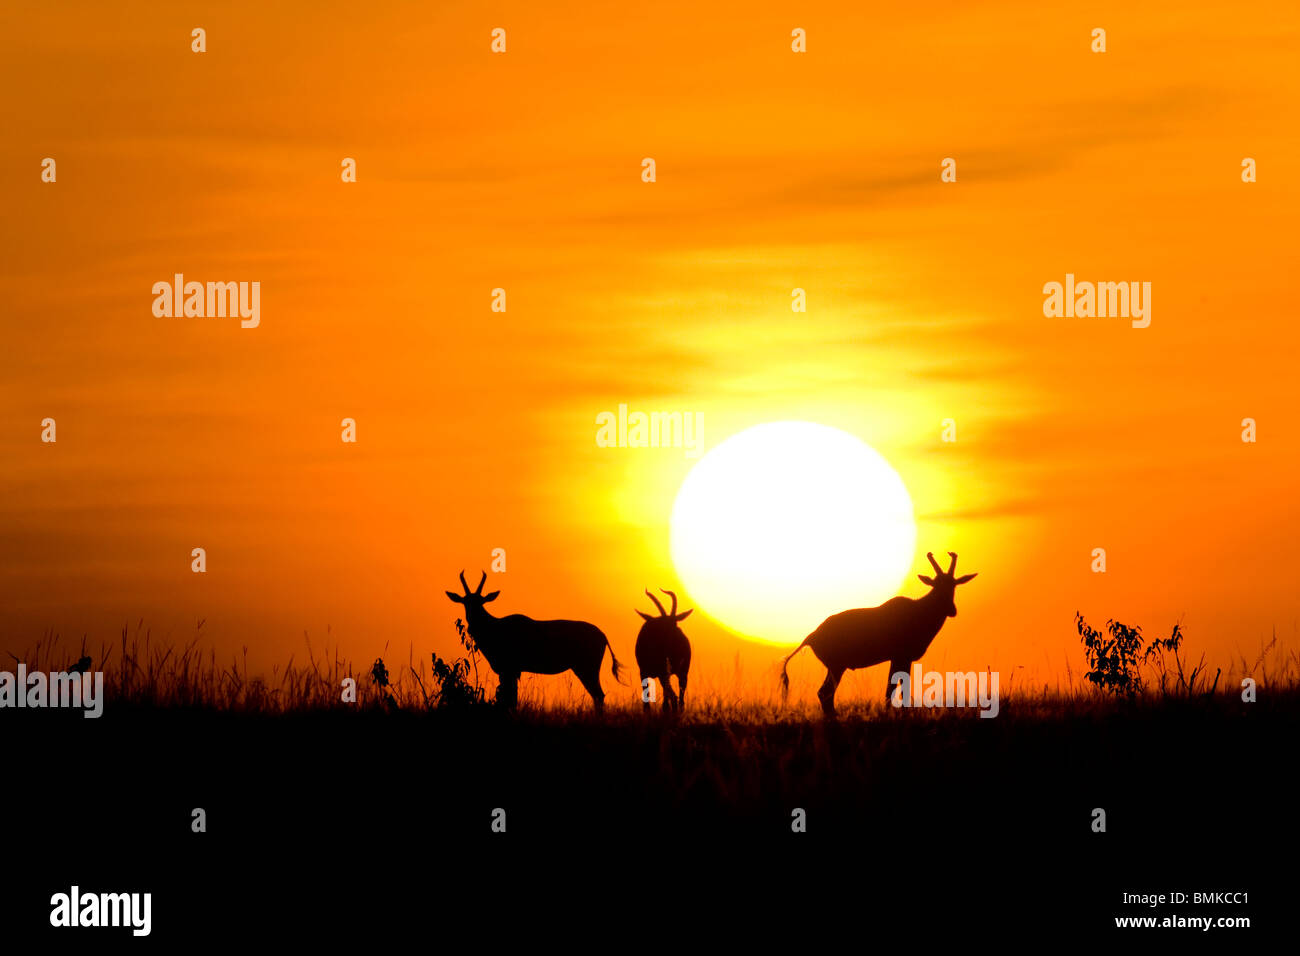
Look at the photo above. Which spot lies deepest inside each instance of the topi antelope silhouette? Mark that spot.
(663, 650)
(516, 644)
(898, 631)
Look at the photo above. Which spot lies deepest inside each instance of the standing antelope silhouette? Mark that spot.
(663, 650)
(516, 644)
(898, 631)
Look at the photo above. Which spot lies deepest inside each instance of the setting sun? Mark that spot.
(784, 522)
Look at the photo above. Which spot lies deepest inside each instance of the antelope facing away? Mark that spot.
(898, 631)
(516, 644)
(663, 650)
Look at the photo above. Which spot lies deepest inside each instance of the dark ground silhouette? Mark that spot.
(361, 825)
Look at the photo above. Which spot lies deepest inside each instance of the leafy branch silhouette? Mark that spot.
(452, 685)
(1114, 659)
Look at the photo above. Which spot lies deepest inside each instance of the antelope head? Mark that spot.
(667, 620)
(473, 600)
(943, 583)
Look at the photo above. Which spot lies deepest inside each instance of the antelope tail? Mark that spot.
(614, 660)
(785, 678)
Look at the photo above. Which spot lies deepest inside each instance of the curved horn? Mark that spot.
(674, 597)
(464, 583)
(662, 612)
(933, 563)
(952, 565)
(484, 581)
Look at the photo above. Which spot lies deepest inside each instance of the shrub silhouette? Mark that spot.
(452, 686)
(379, 674)
(1114, 660)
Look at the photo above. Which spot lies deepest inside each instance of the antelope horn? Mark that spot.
(464, 583)
(484, 581)
(952, 565)
(662, 612)
(933, 563)
(673, 612)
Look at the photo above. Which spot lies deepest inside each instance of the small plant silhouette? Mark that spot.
(471, 648)
(1114, 659)
(379, 674)
(452, 685)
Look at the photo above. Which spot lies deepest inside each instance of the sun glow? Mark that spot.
(786, 523)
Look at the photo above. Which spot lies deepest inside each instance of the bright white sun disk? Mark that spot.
(786, 523)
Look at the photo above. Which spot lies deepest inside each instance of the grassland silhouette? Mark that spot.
(738, 756)
(280, 760)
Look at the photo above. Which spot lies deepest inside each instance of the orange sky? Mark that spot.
(522, 171)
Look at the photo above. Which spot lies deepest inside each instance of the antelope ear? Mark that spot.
(644, 614)
(490, 597)
(455, 597)
(926, 580)
(964, 578)
(684, 615)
